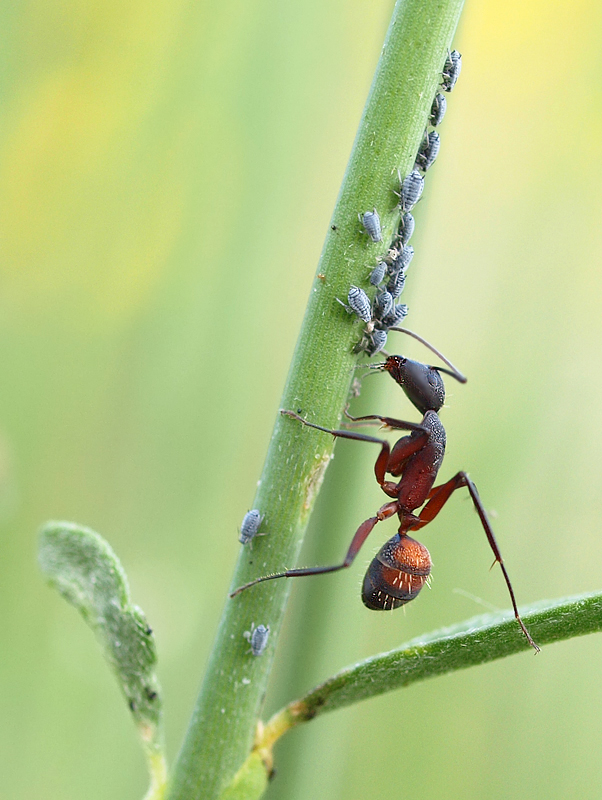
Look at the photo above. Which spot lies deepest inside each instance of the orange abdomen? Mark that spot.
(397, 573)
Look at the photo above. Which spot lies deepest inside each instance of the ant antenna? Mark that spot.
(455, 373)
(365, 366)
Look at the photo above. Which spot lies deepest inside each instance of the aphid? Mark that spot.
(257, 638)
(396, 284)
(371, 222)
(438, 110)
(411, 190)
(451, 70)
(359, 303)
(377, 340)
(383, 303)
(402, 262)
(397, 315)
(250, 525)
(406, 227)
(378, 273)
(429, 150)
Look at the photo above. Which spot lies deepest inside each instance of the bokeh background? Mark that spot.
(168, 171)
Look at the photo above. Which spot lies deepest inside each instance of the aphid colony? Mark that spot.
(383, 312)
(402, 566)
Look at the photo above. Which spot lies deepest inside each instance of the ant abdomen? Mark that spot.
(397, 573)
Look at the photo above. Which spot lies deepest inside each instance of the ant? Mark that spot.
(402, 566)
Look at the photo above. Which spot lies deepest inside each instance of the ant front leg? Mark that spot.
(362, 533)
(403, 449)
(382, 461)
(418, 437)
(438, 497)
(390, 422)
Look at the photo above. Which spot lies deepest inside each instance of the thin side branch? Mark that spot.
(476, 641)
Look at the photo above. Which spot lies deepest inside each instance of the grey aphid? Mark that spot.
(359, 303)
(406, 228)
(378, 273)
(396, 284)
(451, 70)
(397, 316)
(371, 222)
(383, 303)
(438, 110)
(411, 190)
(257, 638)
(402, 262)
(250, 525)
(429, 150)
(378, 339)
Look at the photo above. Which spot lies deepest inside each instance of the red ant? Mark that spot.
(402, 566)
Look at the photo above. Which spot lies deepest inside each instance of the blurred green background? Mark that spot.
(168, 171)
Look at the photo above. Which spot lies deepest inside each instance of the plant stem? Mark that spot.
(221, 731)
(158, 772)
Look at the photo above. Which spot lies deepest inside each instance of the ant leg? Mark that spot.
(380, 466)
(360, 536)
(438, 497)
(403, 449)
(376, 419)
(390, 422)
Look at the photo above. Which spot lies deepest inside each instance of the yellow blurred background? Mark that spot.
(167, 175)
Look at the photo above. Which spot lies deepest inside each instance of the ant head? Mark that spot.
(422, 384)
(397, 573)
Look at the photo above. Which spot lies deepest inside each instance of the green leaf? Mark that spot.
(86, 571)
(473, 642)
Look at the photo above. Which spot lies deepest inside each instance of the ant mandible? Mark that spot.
(402, 566)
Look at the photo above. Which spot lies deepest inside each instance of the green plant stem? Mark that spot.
(157, 768)
(221, 731)
(473, 642)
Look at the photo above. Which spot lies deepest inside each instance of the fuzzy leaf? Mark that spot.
(476, 641)
(86, 571)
